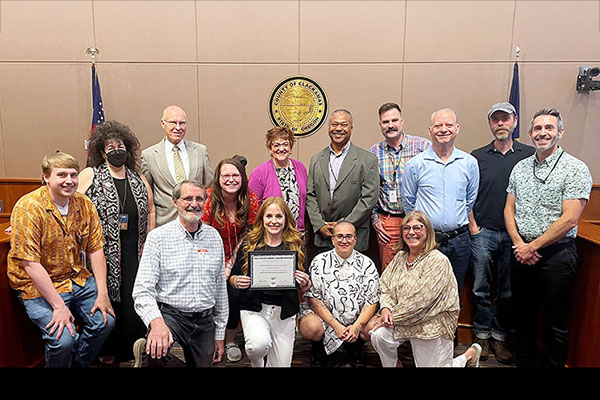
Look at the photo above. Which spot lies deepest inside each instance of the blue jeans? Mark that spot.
(491, 259)
(458, 251)
(79, 350)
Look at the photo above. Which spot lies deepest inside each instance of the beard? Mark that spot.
(188, 214)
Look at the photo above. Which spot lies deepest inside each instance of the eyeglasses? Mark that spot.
(173, 124)
(226, 177)
(341, 237)
(415, 228)
(285, 145)
(190, 199)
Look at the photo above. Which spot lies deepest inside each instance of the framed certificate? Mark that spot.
(272, 269)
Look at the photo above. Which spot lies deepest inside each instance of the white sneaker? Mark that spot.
(475, 362)
(234, 354)
(138, 349)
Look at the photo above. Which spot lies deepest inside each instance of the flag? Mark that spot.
(97, 108)
(514, 98)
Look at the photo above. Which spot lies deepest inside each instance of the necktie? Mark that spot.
(179, 169)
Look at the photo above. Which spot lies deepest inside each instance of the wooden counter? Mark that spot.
(20, 340)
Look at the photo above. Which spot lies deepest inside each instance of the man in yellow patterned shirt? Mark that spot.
(54, 230)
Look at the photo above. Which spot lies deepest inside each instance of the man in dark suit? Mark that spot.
(173, 160)
(343, 185)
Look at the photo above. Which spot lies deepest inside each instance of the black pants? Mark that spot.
(195, 335)
(544, 286)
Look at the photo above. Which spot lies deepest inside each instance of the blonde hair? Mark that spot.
(430, 243)
(57, 159)
(255, 239)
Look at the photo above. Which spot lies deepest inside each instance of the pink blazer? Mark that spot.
(263, 181)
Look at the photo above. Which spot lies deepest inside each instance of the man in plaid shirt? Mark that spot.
(180, 290)
(393, 154)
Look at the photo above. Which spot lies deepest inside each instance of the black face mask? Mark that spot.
(117, 157)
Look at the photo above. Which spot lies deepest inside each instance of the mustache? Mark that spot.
(194, 209)
(392, 129)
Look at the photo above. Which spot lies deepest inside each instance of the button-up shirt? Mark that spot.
(445, 192)
(539, 204)
(183, 270)
(42, 235)
(182, 153)
(335, 163)
(345, 287)
(391, 167)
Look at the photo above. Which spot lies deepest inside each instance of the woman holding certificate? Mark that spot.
(268, 271)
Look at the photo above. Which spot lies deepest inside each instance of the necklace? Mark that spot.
(412, 264)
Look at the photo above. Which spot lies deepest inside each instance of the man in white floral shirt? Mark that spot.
(342, 299)
(546, 196)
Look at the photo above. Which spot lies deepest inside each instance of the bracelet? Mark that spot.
(235, 284)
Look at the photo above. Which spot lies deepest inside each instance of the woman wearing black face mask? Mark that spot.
(125, 206)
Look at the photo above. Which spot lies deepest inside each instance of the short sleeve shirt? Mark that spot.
(540, 189)
(40, 234)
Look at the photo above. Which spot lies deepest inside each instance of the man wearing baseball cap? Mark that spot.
(490, 243)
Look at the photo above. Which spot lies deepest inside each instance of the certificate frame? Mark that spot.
(272, 270)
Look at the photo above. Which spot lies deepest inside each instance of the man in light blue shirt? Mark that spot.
(443, 182)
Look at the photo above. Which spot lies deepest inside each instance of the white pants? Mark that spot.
(427, 353)
(267, 335)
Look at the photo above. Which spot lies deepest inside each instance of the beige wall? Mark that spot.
(220, 60)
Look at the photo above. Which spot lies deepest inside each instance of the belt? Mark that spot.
(192, 315)
(389, 214)
(447, 235)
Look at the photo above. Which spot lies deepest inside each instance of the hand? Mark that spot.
(340, 331)
(382, 235)
(219, 350)
(61, 318)
(387, 318)
(103, 305)
(241, 281)
(159, 339)
(303, 280)
(327, 229)
(526, 254)
(351, 333)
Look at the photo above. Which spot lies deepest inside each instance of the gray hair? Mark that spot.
(177, 189)
(343, 111)
(548, 111)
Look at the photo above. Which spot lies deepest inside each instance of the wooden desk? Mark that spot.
(20, 340)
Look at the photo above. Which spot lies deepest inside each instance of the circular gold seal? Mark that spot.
(300, 104)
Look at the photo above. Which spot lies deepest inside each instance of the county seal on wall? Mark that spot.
(300, 104)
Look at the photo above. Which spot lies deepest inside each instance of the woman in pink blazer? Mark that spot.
(281, 176)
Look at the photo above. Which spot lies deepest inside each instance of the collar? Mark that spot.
(344, 150)
(551, 158)
(341, 261)
(187, 233)
(388, 146)
(169, 146)
(430, 154)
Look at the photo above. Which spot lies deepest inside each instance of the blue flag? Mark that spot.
(98, 108)
(514, 98)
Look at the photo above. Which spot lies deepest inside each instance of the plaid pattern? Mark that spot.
(184, 271)
(411, 146)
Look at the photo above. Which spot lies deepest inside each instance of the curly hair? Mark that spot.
(109, 131)
(292, 237)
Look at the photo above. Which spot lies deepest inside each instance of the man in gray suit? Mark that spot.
(173, 160)
(343, 185)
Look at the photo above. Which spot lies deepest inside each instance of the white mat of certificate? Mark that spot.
(272, 270)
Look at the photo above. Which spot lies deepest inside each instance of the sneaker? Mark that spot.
(485, 347)
(234, 354)
(138, 349)
(501, 352)
(475, 363)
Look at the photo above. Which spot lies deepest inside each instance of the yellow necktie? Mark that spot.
(179, 169)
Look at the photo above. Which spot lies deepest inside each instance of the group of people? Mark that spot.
(153, 248)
